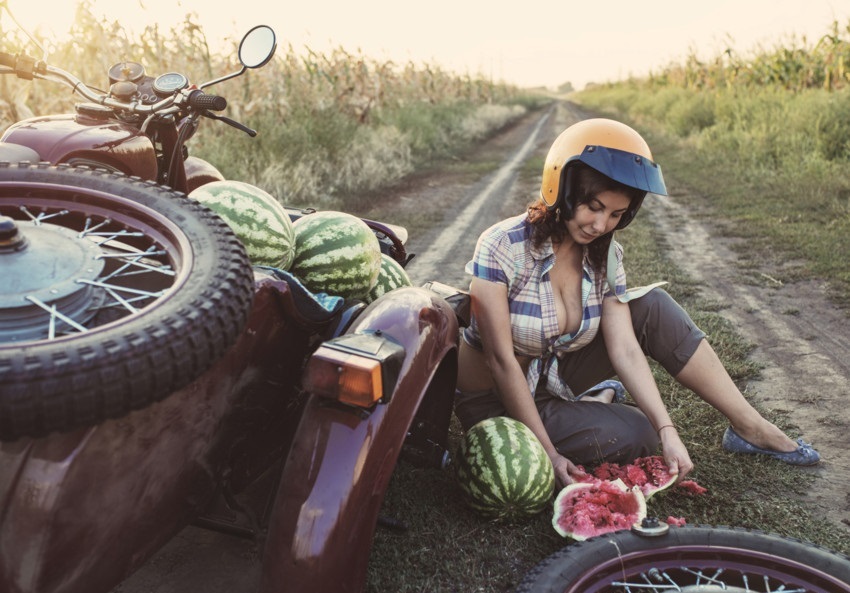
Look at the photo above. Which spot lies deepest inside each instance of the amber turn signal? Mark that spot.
(349, 378)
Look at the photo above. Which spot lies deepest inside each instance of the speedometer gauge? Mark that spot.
(167, 84)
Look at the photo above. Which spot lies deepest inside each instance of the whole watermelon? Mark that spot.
(257, 218)
(390, 277)
(503, 469)
(336, 253)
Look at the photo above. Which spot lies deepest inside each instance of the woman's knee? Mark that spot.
(664, 330)
(640, 440)
(595, 432)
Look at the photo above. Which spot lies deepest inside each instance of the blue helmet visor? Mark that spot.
(625, 167)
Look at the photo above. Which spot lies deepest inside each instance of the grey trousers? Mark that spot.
(589, 432)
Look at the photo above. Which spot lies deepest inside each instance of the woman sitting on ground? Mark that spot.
(552, 322)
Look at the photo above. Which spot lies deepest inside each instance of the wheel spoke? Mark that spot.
(113, 235)
(137, 291)
(42, 216)
(133, 275)
(651, 582)
(54, 315)
(87, 229)
(135, 259)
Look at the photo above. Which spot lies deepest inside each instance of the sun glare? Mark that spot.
(51, 19)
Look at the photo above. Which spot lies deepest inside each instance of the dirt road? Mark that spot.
(803, 340)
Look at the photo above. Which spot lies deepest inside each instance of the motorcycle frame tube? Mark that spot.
(64, 138)
(342, 458)
(80, 511)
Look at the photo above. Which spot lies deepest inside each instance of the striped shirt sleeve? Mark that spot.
(493, 260)
(620, 282)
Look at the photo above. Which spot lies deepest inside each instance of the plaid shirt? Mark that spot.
(506, 254)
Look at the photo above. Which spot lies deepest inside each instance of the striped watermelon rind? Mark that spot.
(336, 253)
(256, 217)
(588, 509)
(503, 469)
(391, 276)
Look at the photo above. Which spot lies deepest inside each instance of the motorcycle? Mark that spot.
(139, 127)
(151, 378)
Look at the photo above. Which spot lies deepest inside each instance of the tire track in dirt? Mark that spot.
(802, 340)
(454, 238)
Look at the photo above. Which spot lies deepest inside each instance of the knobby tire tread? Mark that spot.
(126, 365)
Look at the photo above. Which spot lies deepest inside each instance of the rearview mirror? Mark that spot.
(257, 47)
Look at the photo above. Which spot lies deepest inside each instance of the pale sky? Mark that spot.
(528, 43)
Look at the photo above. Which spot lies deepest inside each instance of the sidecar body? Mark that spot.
(317, 404)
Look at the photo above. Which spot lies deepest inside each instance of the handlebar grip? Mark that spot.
(24, 66)
(201, 100)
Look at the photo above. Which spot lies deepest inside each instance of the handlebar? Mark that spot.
(24, 66)
(200, 100)
(28, 68)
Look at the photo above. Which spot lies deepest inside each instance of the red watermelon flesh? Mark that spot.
(650, 474)
(587, 509)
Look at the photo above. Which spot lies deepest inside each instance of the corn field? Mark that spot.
(766, 139)
(330, 123)
(794, 65)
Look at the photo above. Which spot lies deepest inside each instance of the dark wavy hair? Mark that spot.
(587, 183)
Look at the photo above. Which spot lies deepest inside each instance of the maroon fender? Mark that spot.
(80, 139)
(200, 172)
(340, 464)
(80, 511)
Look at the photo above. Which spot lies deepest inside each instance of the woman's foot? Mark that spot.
(765, 435)
(801, 453)
(605, 396)
(606, 392)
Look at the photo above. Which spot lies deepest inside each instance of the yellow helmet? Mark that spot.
(611, 148)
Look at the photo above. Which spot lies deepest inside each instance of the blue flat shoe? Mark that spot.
(619, 390)
(804, 454)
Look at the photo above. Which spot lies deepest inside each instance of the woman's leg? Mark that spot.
(705, 375)
(592, 432)
(474, 406)
(667, 334)
(583, 432)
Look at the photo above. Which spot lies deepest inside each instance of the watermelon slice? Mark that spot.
(650, 474)
(587, 509)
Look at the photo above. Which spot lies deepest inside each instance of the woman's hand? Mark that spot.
(566, 472)
(675, 453)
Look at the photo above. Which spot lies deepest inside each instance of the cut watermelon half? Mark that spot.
(587, 509)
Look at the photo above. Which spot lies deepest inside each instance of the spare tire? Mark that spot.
(116, 292)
